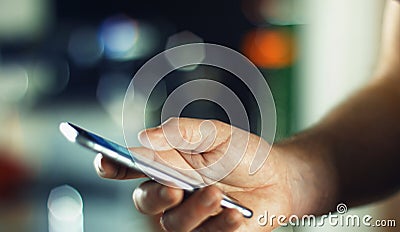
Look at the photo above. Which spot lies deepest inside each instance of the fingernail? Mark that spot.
(98, 164)
(101, 170)
(207, 199)
(162, 224)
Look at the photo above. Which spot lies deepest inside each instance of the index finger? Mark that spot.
(110, 169)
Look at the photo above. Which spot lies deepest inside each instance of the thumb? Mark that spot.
(184, 134)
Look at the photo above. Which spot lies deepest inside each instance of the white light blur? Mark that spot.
(84, 47)
(125, 38)
(65, 210)
(24, 20)
(13, 83)
(181, 38)
(337, 58)
(49, 76)
(110, 93)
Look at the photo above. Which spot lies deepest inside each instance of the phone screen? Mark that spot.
(110, 145)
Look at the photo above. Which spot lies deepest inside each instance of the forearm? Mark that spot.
(354, 150)
(352, 155)
(364, 135)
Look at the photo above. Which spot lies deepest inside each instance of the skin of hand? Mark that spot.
(287, 183)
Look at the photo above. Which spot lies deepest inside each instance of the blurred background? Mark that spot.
(73, 60)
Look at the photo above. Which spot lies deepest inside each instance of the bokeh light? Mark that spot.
(84, 47)
(125, 38)
(181, 38)
(269, 48)
(48, 77)
(13, 83)
(277, 12)
(65, 210)
(23, 20)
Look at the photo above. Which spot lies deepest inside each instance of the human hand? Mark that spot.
(278, 187)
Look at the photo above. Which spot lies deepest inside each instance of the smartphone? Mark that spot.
(123, 156)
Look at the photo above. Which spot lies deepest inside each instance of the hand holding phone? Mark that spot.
(123, 156)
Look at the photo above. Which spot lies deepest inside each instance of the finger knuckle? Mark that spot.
(212, 192)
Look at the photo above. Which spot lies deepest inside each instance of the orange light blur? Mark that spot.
(269, 48)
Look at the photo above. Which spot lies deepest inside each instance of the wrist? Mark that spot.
(311, 171)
